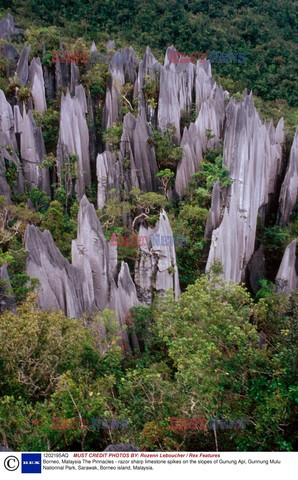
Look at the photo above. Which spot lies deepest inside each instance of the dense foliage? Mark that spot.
(216, 352)
(199, 357)
(264, 30)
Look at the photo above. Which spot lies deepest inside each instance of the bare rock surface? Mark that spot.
(74, 137)
(22, 67)
(37, 86)
(62, 286)
(289, 188)
(7, 27)
(7, 299)
(32, 150)
(156, 270)
(253, 157)
(287, 275)
(206, 131)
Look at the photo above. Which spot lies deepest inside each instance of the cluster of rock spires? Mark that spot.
(252, 151)
(91, 282)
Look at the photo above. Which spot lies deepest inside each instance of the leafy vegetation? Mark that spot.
(167, 154)
(217, 351)
(265, 31)
(199, 357)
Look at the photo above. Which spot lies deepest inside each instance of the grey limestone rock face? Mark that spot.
(7, 27)
(214, 216)
(7, 121)
(61, 72)
(289, 188)
(135, 147)
(37, 86)
(10, 52)
(123, 298)
(74, 77)
(109, 176)
(148, 67)
(8, 147)
(93, 47)
(90, 253)
(74, 137)
(156, 270)
(91, 282)
(211, 115)
(32, 150)
(62, 286)
(6, 156)
(256, 268)
(176, 92)
(121, 72)
(49, 81)
(253, 157)
(7, 299)
(287, 275)
(110, 45)
(134, 165)
(22, 67)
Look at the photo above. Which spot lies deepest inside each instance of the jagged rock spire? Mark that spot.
(36, 83)
(32, 150)
(253, 157)
(287, 275)
(74, 137)
(289, 188)
(156, 270)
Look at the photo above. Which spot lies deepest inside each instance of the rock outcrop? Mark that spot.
(32, 150)
(206, 131)
(7, 299)
(253, 157)
(8, 148)
(36, 83)
(90, 253)
(109, 173)
(91, 282)
(289, 188)
(156, 270)
(148, 67)
(142, 168)
(62, 286)
(121, 72)
(22, 67)
(7, 27)
(287, 275)
(176, 91)
(74, 138)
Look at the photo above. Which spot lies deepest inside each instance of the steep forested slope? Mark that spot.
(205, 189)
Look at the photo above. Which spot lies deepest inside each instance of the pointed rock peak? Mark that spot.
(93, 47)
(287, 278)
(110, 45)
(279, 132)
(87, 217)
